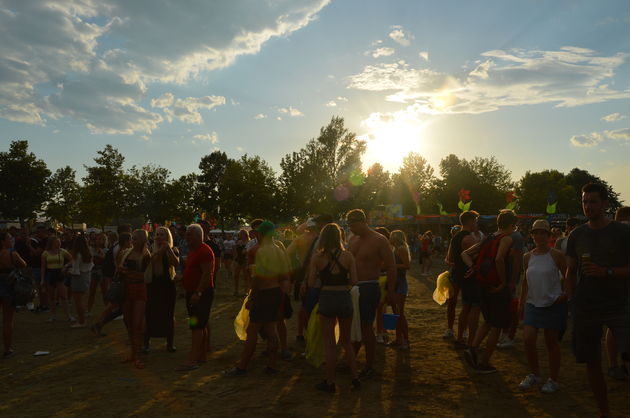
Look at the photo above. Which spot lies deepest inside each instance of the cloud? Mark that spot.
(424, 55)
(213, 138)
(619, 134)
(115, 50)
(613, 117)
(382, 52)
(291, 111)
(187, 110)
(342, 99)
(331, 103)
(335, 103)
(586, 141)
(567, 77)
(260, 116)
(400, 36)
(240, 149)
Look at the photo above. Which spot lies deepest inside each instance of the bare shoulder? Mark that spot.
(557, 254)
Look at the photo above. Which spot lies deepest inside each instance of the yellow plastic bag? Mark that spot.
(382, 282)
(443, 288)
(241, 322)
(315, 352)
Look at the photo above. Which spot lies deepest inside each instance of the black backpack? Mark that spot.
(109, 265)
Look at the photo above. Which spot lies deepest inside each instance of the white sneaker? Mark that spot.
(448, 334)
(507, 343)
(530, 381)
(550, 386)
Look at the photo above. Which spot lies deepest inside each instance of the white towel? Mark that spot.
(355, 331)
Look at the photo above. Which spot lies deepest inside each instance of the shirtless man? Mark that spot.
(372, 253)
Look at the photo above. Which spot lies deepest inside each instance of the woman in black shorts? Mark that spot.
(337, 271)
(9, 260)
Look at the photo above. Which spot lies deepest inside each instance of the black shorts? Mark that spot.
(588, 331)
(335, 304)
(266, 306)
(369, 299)
(199, 313)
(496, 307)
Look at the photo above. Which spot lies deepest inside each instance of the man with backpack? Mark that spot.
(487, 261)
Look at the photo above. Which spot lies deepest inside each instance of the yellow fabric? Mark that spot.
(241, 322)
(315, 352)
(443, 288)
(382, 282)
(55, 261)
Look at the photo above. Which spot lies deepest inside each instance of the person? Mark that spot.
(133, 263)
(338, 273)
(115, 296)
(598, 258)
(372, 252)
(9, 260)
(228, 254)
(561, 243)
(402, 258)
(543, 306)
(270, 274)
(240, 260)
(36, 245)
(495, 298)
(469, 315)
(616, 371)
(98, 251)
(382, 337)
(80, 272)
(426, 241)
(161, 293)
(52, 265)
(198, 282)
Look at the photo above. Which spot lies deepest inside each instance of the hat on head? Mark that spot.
(541, 225)
(266, 228)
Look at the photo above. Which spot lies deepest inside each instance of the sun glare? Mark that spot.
(389, 141)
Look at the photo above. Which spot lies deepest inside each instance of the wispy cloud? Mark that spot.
(260, 116)
(212, 138)
(100, 66)
(619, 134)
(382, 52)
(331, 103)
(587, 140)
(567, 77)
(290, 111)
(613, 117)
(186, 110)
(400, 36)
(424, 55)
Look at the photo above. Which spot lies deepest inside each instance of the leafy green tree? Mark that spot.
(23, 188)
(212, 168)
(105, 198)
(535, 187)
(146, 191)
(414, 185)
(376, 190)
(65, 196)
(181, 194)
(578, 178)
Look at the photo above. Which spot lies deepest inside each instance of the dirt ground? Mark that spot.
(83, 375)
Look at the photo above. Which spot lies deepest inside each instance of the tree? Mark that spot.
(146, 190)
(534, 190)
(376, 190)
(65, 195)
(212, 168)
(578, 178)
(414, 185)
(104, 195)
(23, 189)
(182, 193)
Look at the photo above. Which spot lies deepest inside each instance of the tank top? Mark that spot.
(459, 267)
(54, 261)
(340, 278)
(543, 280)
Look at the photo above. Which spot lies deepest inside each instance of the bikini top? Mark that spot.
(340, 278)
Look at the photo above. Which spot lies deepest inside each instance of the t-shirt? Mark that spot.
(608, 247)
(228, 246)
(192, 271)
(459, 267)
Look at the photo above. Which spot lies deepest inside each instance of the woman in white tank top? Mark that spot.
(543, 303)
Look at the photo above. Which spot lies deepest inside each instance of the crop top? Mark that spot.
(340, 278)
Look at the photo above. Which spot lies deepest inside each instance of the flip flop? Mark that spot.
(186, 367)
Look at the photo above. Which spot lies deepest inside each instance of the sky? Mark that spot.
(538, 84)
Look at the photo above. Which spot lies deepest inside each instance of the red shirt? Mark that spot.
(192, 271)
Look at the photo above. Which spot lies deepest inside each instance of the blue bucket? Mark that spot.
(390, 321)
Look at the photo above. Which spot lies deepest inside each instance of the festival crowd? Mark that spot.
(345, 280)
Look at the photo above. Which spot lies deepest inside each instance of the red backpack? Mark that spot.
(485, 266)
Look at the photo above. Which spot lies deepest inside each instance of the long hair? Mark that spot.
(80, 246)
(399, 240)
(169, 238)
(330, 238)
(3, 236)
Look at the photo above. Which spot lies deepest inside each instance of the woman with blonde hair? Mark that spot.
(133, 263)
(336, 269)
(401, 253)
(53, 261)
(80, 276)
(161, 293)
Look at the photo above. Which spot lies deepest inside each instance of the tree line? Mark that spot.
(325, 176)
